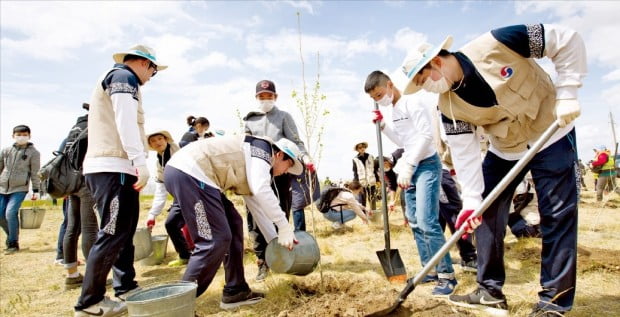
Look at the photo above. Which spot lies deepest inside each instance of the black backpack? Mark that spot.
(327, 196)
(62, 175)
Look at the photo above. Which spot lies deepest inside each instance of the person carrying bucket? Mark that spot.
(199, 174)
(418, 170)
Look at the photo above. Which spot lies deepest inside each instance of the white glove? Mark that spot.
(286, 237)
(567, 110)
(34, 196)
(143, 177)
(405, 172)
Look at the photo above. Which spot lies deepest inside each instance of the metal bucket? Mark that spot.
(31, 218)
(377, 216)
(159, 244)
(142, 244)
(177, 299)
(300, 261)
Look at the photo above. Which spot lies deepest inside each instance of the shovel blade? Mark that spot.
(392, 265)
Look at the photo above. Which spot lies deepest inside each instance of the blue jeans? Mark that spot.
(62, 230)
(553, 170)
(423, 212)
(340, 216)
(299, 220)
(9, 208)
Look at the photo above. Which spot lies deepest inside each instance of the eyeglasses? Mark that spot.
(151, 64)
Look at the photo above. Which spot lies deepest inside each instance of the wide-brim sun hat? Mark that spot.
(365, 144)
(600, 148)
(287, 146)
(165, 133)
(417, 58)
(142, 51)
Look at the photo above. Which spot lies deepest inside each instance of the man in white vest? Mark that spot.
(115, 171)
(494, 82)
(365, 171)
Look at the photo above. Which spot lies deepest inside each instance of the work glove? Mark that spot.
(405, 172)
(378, 117)
(470, 223)
(34, 196)
(286, 237)
(150, 222)
(309, 164)
(143, 177)
(567, 110)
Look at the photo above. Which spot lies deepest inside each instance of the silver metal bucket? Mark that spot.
(302, 260)
(31, 218)
(159, 244)
(177, 299)
(142, 244)
(377, 217)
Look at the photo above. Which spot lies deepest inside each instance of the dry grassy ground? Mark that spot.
(352, 282)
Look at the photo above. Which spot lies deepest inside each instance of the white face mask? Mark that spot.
(439, 87)
(22, 139)
(266, 105)
(386, 100)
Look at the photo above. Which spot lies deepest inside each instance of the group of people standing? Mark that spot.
(491, 83)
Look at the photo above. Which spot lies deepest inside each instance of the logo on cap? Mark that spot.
(264, 85)
(506, 72)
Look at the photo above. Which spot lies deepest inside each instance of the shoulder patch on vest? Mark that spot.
(461, 127)
(259, 148)
(536, 35)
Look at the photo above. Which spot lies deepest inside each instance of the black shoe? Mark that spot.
(482, 300)
(12, 247)
(542, 312)
(242, 298)
(469, 266)
(73, 282)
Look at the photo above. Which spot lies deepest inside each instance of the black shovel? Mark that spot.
(411, 283)
(390, 258)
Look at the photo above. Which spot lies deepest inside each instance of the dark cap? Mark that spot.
(85, 106)
(265, 86)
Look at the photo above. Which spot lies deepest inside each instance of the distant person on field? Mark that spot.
(19, 165)
(343, 204)
(365, 172)
(607, 175)
(198, 129)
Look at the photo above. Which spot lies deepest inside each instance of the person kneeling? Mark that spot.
(340, 205)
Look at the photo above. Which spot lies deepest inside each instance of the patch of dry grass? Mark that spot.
(353, 282)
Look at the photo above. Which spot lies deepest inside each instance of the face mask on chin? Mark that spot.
(386, 100)
(266, 105)
(439, 87)
(22, 140)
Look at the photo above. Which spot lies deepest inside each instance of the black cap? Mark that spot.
(265, 86)
(85, 106)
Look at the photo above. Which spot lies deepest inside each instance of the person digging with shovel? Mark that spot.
(494, 82)
(419, 171)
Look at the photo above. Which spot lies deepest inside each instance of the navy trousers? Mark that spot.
(174, 223)
(216, 228)
(553, 170)
(118, 206)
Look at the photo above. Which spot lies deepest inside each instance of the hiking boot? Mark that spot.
(178, 262)
(542, 312)
(469, 266)
(105, 308)
(12, 247)
(429, 278)
(242, 298)
(481, 299)
(444, 287)
(263, 271)
(73, 282)
(123, 297)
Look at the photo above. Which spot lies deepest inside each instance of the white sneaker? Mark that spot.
(105, 308)
(336, 225)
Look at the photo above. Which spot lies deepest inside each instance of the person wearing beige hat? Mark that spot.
(115, 171)
(365, 172)
(494, 82)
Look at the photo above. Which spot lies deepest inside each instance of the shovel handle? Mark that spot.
(386, 223)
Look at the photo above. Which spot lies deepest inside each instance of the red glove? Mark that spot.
(310, 167)
(150, 224)
(471, 223)
(378, 116)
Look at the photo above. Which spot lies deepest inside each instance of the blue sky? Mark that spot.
(53, 52)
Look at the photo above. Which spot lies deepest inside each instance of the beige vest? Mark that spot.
(223, 161)
(526, 99)
(366, 172)
(103, 138)
(160, 168)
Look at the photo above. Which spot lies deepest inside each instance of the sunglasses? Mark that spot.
(151, 64)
